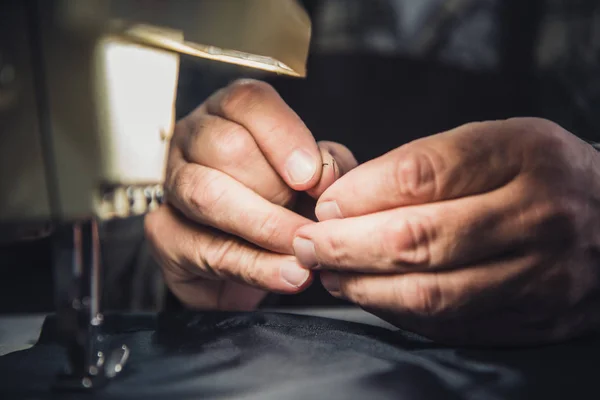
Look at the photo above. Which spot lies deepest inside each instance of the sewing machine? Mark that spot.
(87, 93)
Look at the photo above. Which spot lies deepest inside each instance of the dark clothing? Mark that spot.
(278, 356)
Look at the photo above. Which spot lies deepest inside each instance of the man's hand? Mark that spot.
(235, 169)
(486, 234)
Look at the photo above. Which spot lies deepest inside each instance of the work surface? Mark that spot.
(19, 332)
(268, 355)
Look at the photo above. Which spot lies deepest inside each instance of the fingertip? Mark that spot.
(303, 169)
(328, 210)
(329, 174)
(294, 276)
(331, 282)
(343, 157)
(305, 252)
(338, 160)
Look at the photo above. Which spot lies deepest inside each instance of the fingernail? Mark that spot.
(301, 167)
(305, 252)
(293, 274)
(328, 210)
(330, 281)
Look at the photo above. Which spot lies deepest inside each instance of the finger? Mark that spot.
(189, 252)
(213, 198)
(432, 236)
(469, 160)
(223, 145)
(337, 161)
(280, 134)
(344, 158)
(466, 292)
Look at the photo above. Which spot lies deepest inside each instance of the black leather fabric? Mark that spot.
(280, 356)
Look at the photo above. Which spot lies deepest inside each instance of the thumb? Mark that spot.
(337, 161)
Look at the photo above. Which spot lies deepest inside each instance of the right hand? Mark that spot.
(241, 168)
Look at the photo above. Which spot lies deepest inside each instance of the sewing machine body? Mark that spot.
(87, 103)
(87, 98)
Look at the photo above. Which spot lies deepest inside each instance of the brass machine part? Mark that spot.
(87, 93)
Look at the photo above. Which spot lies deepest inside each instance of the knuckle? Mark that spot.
(250, 272)
(538, 134)
(242, 95)
(229, 259)
(206, 193)
(201, 189)
(335, 250)
(217, 255)
(232, 144)
(558, 220)
(356, 290)
(550, 134)
(421, 297)
(408, 241)
(178, 179)
(268, 230)
(536, 124)
(413, 176)
(472, 125)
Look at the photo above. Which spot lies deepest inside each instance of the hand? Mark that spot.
(486, 234)
(235, 167)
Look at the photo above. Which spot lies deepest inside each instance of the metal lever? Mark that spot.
(79, 318)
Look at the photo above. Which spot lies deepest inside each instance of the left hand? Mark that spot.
(486, 234)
